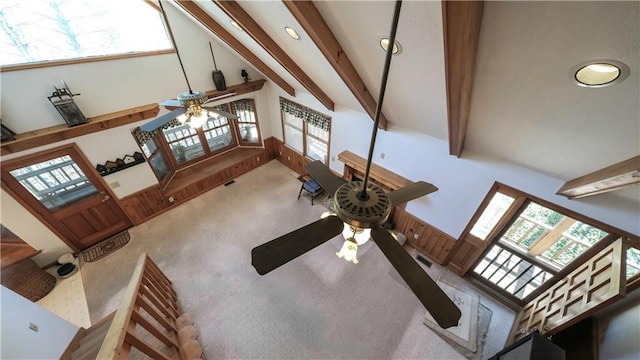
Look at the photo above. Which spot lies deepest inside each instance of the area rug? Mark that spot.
(484, 318)
(465, 333)
(469, 336)
(106, 247)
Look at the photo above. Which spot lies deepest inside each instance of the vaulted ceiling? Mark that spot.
(522, 106)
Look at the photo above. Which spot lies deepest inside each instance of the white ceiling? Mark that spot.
(525, 107)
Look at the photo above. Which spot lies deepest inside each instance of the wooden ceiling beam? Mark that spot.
(233, 9)
(461, 27)
(203, 17)
(606, 179)
(310, 19)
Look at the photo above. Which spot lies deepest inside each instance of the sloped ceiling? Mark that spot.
(525, 107)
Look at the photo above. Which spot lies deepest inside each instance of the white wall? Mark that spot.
(20, 342)
(31, 230)
(619, 329)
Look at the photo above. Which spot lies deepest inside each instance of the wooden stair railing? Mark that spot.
(150, 320)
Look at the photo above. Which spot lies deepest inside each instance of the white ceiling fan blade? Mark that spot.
(221, 113)
(171, 103)
(161, 120)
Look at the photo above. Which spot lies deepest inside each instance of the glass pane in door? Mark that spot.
(56, 183)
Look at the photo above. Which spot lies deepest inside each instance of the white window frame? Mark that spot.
(306, 135)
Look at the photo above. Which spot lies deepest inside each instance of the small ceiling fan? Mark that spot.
(362, 205)
(190, 104)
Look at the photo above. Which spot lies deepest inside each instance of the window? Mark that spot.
(56, 182)
(247, 125)
(177, 145)
(156, 159)
(184, 142)
(48, 30)
(294, 132)
(305, 130)
(529, 242)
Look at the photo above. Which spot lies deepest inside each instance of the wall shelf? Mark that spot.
(50, 135)
(238, 89)
(611, 178)
(233, 90)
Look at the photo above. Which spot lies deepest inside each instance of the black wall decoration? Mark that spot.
(127, 161)
(7, 134)
(62, 100)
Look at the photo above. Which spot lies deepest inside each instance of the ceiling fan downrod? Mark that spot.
(385, 74)
(175, 45)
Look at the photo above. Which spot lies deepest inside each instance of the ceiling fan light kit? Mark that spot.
(360, 206)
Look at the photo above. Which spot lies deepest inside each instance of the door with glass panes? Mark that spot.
(60, 187)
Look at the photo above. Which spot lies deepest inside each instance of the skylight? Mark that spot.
(50, 30)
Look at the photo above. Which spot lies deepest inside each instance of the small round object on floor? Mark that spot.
(66, 270)
(66, 259)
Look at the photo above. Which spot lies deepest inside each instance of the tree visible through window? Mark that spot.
(49, 30)
(529, 242)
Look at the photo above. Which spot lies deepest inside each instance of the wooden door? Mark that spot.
(60, 187)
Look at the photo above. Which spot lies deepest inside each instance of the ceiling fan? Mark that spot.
(362, 205)
(189, 104)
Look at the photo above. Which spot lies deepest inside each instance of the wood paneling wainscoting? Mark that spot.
(195, 180)
(293, 159)
(431, 241)
(145, 204)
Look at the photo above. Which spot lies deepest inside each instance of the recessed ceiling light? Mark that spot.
(294, 34)
(236, 25)
(599, 73)
(384, 43)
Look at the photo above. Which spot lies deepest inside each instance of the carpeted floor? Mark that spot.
(316, 307)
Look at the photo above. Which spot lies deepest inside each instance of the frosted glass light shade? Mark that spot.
(349, 251)
(197, 121)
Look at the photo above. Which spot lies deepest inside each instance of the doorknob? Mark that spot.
(105, 198)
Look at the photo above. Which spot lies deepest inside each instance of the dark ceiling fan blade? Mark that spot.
(443, 310)
(280, 251)
(411, 192)
(323, 175)
(220, 112)
(171, 103)
(161, 120)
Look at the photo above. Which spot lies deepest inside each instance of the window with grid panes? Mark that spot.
(184, 142)
(156, 159)
(179, 145)
(248, 133)
(218, 133)
(535, 243)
